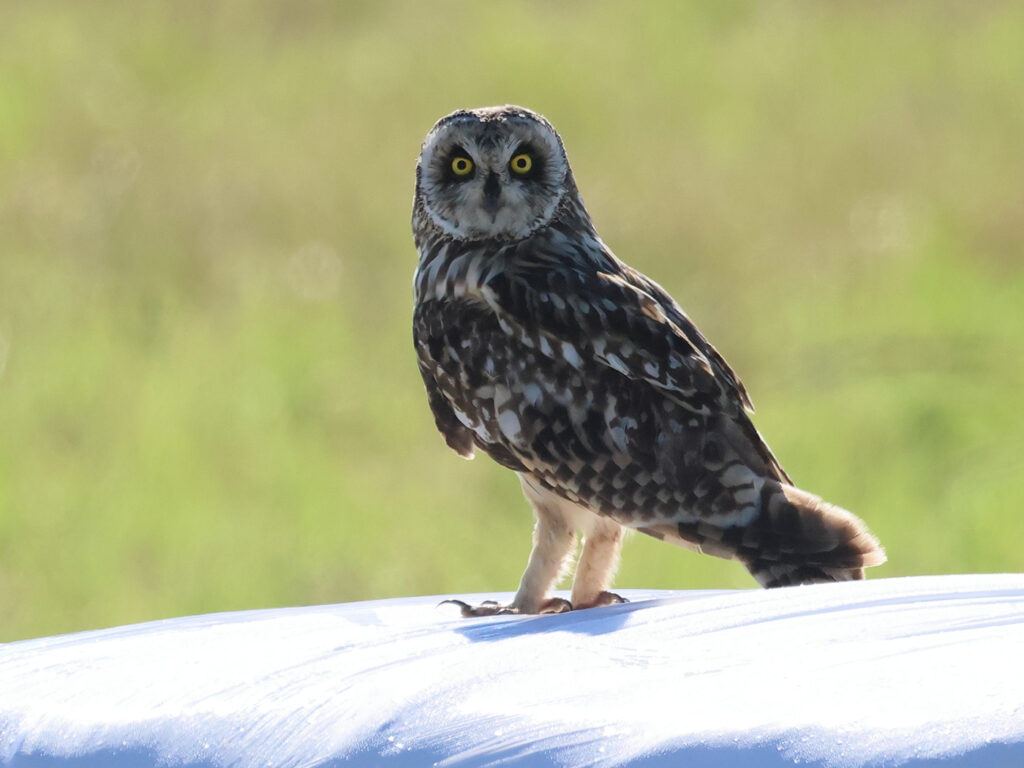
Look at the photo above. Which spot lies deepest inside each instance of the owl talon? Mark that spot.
(555, 605)
(486, 608)
(603, 598)
(491, 608)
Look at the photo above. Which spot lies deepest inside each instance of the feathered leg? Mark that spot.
(598, 562)
(554, 538)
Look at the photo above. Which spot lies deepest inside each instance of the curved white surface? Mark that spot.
(920, 671)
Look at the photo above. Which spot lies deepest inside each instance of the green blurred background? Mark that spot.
(208, 393)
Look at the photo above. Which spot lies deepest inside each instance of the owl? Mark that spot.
(543, 350)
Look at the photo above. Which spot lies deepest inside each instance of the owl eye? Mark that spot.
(521, 164)
(462, 166)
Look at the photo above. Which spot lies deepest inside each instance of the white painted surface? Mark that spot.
(925, 671)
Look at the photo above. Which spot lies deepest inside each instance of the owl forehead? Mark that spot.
(490, 135)
(486, 142)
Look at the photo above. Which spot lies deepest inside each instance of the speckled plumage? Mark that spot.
(540, 348)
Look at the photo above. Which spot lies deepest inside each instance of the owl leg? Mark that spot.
(554, 538)
(602, 544)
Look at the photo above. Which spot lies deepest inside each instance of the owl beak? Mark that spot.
(492, 194)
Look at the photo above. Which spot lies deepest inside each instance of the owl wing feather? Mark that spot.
(632, 326)
(455, 433)
(567, 312)
(686, 326)
(452, 364)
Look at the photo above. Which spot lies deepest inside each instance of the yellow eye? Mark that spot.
(462, 166)
(521, 163)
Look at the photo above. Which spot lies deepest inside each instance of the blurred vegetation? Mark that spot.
(208, 395)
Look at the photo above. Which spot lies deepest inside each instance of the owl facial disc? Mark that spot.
(495, 172)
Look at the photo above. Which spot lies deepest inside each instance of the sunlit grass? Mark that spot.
(208, 395)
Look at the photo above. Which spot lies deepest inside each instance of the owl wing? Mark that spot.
(629, 324)
(455, 433)
(679, 319)
(453, 364)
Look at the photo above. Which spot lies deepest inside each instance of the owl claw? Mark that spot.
(603, 598)
(555, 605)
(486, 608)
(491, 608)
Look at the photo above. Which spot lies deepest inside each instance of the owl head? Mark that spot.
(494, 172)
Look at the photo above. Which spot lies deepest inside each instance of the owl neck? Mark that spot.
(453, 269)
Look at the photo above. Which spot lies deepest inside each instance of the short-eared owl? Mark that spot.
(543, 350)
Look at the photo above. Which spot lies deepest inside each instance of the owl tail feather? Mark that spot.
(797, 538)
(801, 539)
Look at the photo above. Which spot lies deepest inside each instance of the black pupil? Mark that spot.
(520, 162)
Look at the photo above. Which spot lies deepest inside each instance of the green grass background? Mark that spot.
(208, 394)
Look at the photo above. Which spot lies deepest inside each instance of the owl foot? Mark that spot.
(486, 608)
(555, 605)
(603, 598)
(491, 608)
